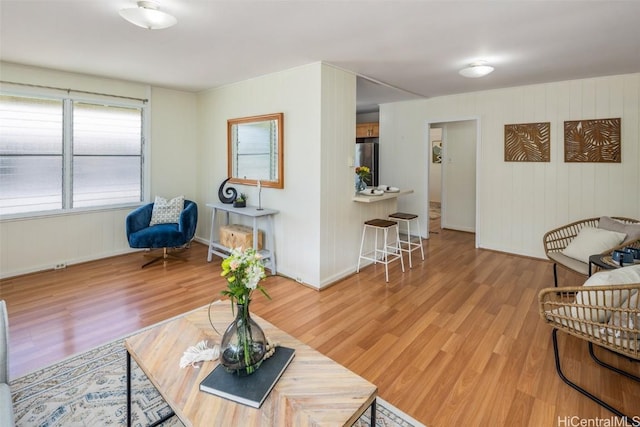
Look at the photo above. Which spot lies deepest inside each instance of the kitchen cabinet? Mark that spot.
(367, 130)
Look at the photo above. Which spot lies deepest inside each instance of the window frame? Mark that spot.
(68, 98)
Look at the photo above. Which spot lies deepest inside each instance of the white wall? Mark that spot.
(318, 103)
(338, 216)
(519, 202)
(34, 244)
(174, 144)
(459, 176)
(373, 117)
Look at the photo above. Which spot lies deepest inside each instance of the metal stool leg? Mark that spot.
(364, 232)
(420, 238)
(399, 249)
(384, 252)
(409, 242)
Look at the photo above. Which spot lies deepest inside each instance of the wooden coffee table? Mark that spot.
(314, 390)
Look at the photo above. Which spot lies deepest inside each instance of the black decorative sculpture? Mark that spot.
(231, 193)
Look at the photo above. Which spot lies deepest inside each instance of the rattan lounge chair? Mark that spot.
(590, 314)
(555, 241)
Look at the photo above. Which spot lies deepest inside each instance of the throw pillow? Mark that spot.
(631, 230)
(620, 276)
(591, 241)
(628, 319)
(167, 211)
(592, 305)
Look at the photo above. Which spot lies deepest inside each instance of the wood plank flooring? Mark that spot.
(457, 340)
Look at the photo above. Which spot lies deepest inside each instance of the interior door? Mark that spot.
(459, 175)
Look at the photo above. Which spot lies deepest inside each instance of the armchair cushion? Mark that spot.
(623, 323)
(620, 276)
(631, 230)
(157, 236)
(166, 211)
(141, 234)
(570, 263)
(590, 241)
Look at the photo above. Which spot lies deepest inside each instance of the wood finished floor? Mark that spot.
(457, 340)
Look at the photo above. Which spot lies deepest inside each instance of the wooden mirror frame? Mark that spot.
(279, 182)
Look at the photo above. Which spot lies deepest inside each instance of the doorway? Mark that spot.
(454, 172)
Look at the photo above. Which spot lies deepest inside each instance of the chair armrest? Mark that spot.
(594, 317)
(188, 220)
(138, 219)
(634, 244)
(559, 238)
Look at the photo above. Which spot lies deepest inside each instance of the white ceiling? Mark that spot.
(414, 46)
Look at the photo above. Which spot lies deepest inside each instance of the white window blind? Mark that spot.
(107, 155)
(31, 148)
(61, 154)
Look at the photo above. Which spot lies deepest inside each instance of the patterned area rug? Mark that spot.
(89, 389)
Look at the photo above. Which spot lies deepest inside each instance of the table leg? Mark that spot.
(157, 423)
(271, 246)
(128, 389)
(373, 413)
(212, 235)
(255, 233)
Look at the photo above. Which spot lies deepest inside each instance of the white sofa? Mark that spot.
(6, 404)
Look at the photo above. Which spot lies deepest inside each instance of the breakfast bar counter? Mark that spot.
(363, 198)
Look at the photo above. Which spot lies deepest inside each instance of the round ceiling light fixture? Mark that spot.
(476, 69)
(147, 15)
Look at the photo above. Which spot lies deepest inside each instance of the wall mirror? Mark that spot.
(255, 150)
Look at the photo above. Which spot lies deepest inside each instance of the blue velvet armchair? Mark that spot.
(161, 236)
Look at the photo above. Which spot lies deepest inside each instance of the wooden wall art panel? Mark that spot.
(592, 141)
(527, 142)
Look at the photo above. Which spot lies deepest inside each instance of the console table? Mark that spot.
(216, 248)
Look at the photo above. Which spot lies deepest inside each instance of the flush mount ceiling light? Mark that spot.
(147, 15)
(476, 69)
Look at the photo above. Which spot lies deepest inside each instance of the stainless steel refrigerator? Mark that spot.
(367, 155)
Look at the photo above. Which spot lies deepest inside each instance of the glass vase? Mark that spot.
(243, 344)
(360, 184)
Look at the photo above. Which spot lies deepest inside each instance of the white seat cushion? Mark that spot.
(570, 263)
(620, 276)
(591, 305)
(625, 320)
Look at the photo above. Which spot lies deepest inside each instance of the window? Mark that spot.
(107, 155)
(64, 154)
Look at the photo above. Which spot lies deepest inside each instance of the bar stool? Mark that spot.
(411, 246)
(388, 252)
